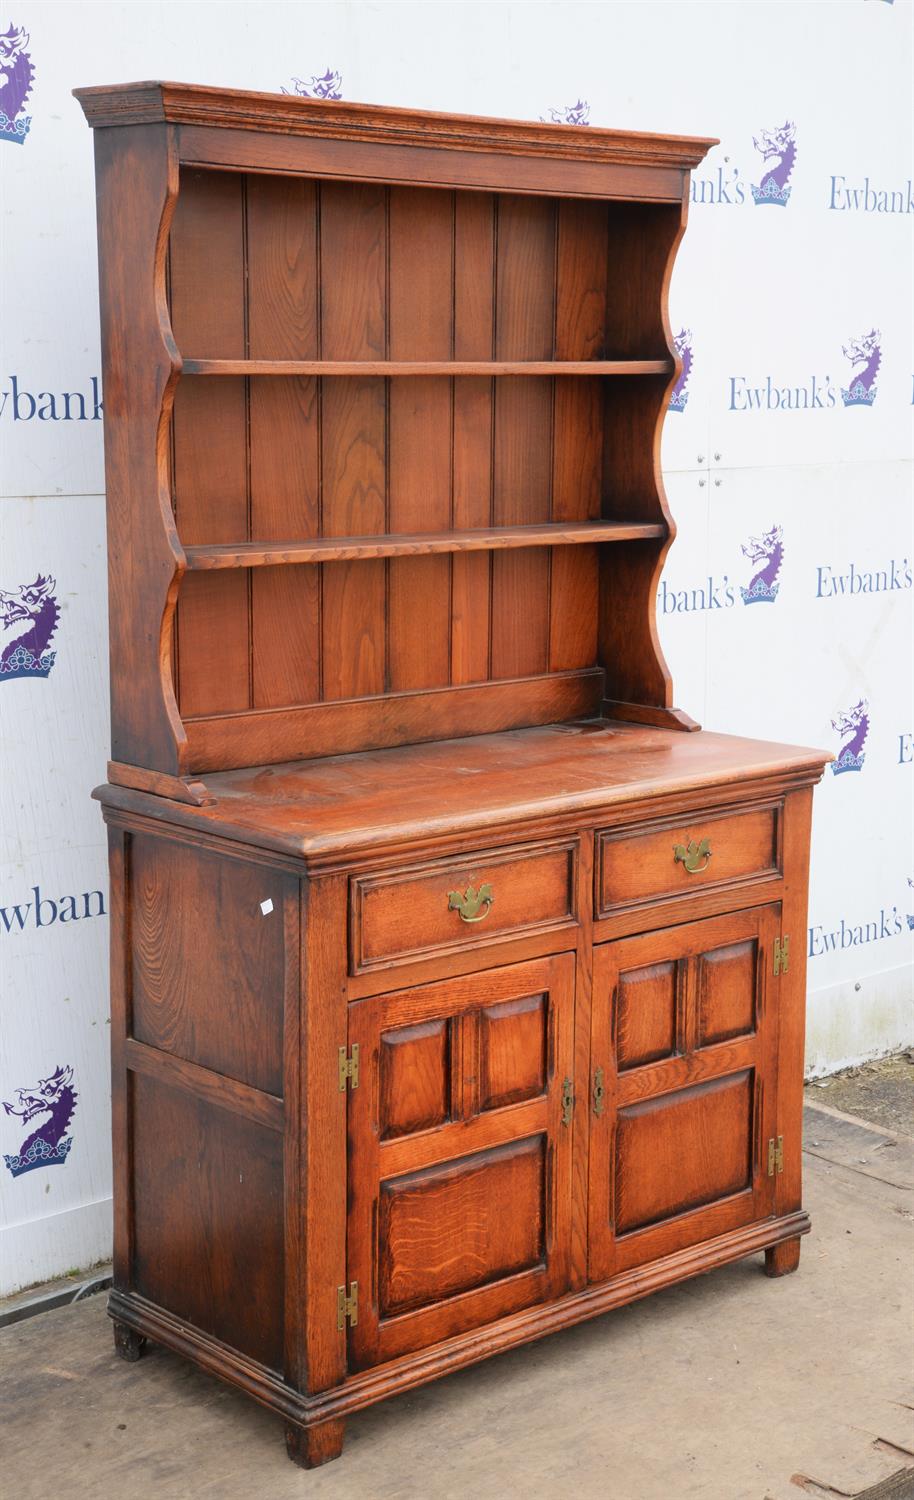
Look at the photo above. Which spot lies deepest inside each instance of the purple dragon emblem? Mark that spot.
(778, 146)
(853, 725)
(768, 550)
(573, 114)
(682, 343)
(865, 351)
(16, 77)
(48, 1145)
(327, 86)
(29, 618)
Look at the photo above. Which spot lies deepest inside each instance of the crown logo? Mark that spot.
(767, 551)
(47, 1145)
(853, 725)
(778, 147)
(770, 192)
(760, 592)
(28, 620)
(865, 351)
(22, 663)
(39, 1154)
(16, 77)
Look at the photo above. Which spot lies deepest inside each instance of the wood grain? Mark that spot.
(353, 240)
(209, 444)
(414, 464)
(421, 323)
(466, 1220)
(484, 539)
(284, 437)
(207, 1188)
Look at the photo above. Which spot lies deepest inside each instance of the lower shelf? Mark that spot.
(412, 1370)
(482, 539)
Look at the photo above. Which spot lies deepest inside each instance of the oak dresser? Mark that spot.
(457, 977)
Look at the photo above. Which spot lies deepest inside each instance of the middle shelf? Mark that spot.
(484, 539)
(447, 367)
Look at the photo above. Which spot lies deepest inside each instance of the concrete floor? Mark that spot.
(730, 1387)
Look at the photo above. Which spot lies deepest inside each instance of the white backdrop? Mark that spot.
(762, 445)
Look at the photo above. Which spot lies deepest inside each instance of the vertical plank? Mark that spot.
(353, 251)
(207, 278)
(788, 995)
(136, 173)
(474, 328)
(583, 1069)
(323, 1127)
(118, 870)
(294, 1352)
(421, 326)
(282, 324)
(582, 251)
(524, 319)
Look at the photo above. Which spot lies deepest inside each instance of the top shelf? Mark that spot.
(427, 367)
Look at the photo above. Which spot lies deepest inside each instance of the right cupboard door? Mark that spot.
(683, 1075)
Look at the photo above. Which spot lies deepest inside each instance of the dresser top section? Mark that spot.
(288, 114)
(483, 785)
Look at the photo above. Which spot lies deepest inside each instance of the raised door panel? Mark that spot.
(684, 1038)
(459, 1154)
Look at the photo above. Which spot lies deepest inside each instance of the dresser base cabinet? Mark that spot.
(338, 1178)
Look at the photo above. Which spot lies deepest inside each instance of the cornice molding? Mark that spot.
(288, 114)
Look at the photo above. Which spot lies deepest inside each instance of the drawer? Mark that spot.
(679, 857)
(471, 900)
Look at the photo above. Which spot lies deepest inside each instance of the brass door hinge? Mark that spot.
(781, 955)
(347, 1308)
(775, 1155)
(349, 1068)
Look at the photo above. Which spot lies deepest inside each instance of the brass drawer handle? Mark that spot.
(692, 856)
(469, 904)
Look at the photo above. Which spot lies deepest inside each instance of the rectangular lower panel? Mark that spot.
(462, 1224)
(683, 1150)
(208, 1217)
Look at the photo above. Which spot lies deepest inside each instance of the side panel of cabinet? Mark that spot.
(459, 1154)
(685, 1038)
(205, 994)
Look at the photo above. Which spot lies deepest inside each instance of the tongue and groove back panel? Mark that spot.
(270, 267)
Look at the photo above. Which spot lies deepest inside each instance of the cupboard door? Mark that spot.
(685, 1036)
(459, 1154)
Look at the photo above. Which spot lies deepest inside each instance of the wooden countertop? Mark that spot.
(381, 799)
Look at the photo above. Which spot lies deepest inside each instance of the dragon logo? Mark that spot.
(48, 1145)
(29, 618)
(328, 86)
(767, 550)
(865, 352)
(682, 343)
(16, 77)
(853, 725)
(780, 148)
(572, 114)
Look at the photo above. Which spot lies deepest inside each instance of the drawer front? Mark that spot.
(471, 900)
(678, 857)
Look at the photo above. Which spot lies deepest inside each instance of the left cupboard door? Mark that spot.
(459, 1154)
